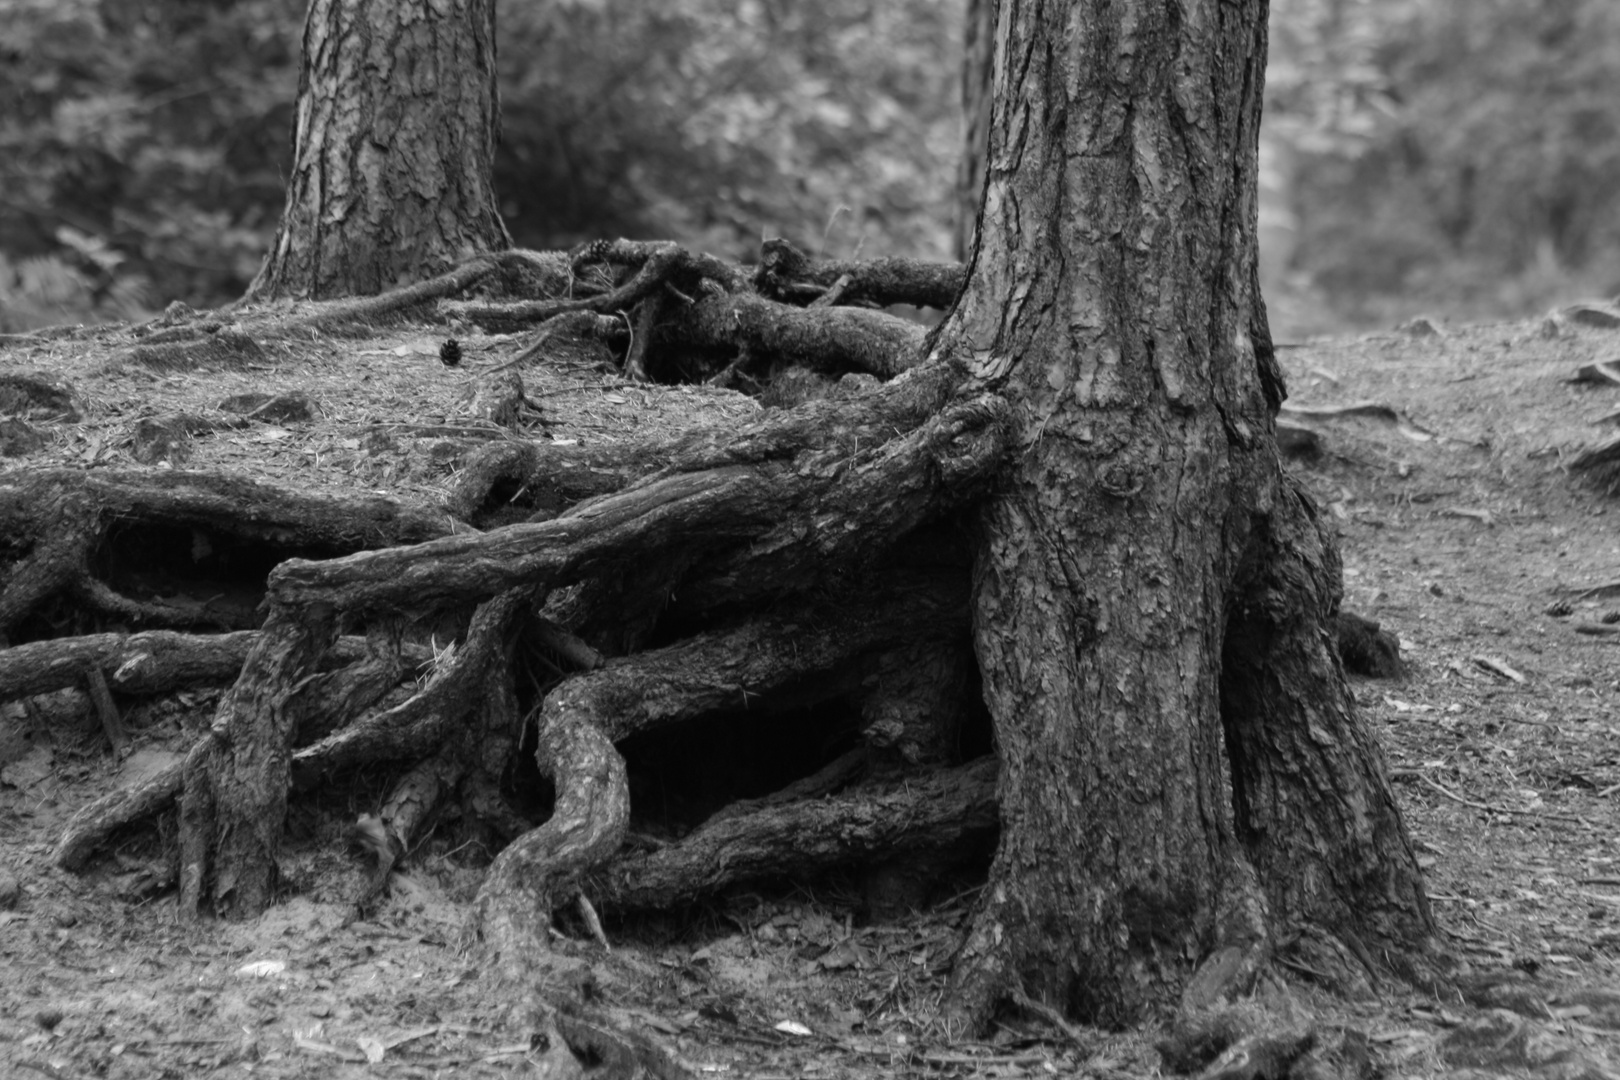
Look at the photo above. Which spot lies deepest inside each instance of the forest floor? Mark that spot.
(1462, 533)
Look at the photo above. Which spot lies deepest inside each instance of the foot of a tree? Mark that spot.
(1242, 949)
(1314, 810)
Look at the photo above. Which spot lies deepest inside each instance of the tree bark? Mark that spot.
(235, 802)
(395, 134)
(1111, 298)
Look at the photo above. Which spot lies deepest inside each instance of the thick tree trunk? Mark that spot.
(1111, 300)
(395, 136)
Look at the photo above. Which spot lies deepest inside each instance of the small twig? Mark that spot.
(1448, 793)
(1497, 667)
(725, 377)
(107, 709)
(835, 292)
(592, 923)
(1051, 1016)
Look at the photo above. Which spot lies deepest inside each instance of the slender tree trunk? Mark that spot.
(395, 137)
(1112, 299)
(978, 41)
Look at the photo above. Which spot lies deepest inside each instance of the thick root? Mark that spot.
(788, 274)
(787, 521)
(542, 867)
(62, 520)
(421, 725)
(1313, 806)
(235, 804)
(943, 810)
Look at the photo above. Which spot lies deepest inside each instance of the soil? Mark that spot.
(1462, 533)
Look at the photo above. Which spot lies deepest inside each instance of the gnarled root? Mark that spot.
(938, 810)
(59, 523)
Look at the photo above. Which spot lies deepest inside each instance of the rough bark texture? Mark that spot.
(786, 516)
(1313, 805)
(941, 811)
(58, 529)
(235, 803)
(1111, 299)
(396, 125)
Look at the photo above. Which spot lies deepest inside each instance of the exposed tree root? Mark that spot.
(422, 724)
(234, 807)
(788, 274)
(810, 563)
(94, 822)
(180, 332)
(736, 669)
(516, 481)
(619, 1046)
(144, 663)
(1596, 459)
(1313, 806)
(151, 662)
(78, 535)
(936, 811)
(534, 872)
(334, 699)
(741, 667)
(694, 302)
(836, 339)
(796, 515)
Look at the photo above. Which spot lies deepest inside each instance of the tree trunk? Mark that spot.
(1111, 299)
(977, 54)
(396, 127)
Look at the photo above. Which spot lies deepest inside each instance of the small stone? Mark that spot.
(49, 1017)
(1421, 327)
(10, 889)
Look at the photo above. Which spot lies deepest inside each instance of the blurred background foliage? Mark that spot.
(1460, 157)
(1447, 156)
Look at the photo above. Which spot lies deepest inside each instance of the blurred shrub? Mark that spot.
(1455, 153)
(719, 122)
(141, 148)
(143, 142)
(1459, 154)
